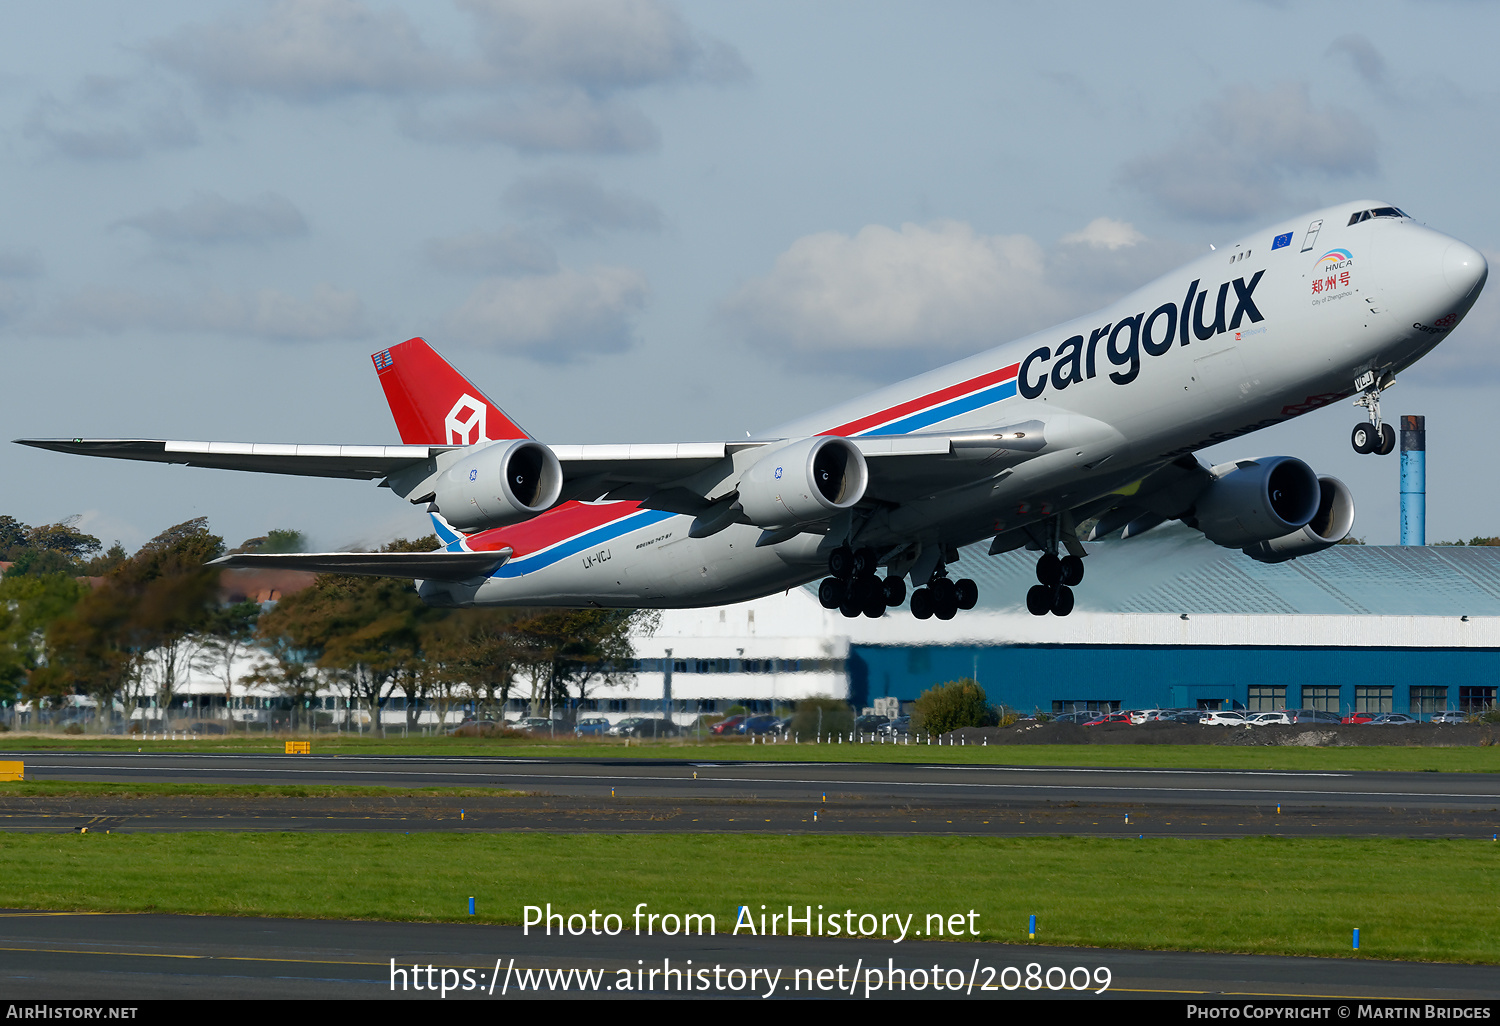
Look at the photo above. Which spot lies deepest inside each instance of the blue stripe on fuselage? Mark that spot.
(937, 414)
(530, 564)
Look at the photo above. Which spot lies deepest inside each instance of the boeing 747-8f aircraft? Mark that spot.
(1095, 420)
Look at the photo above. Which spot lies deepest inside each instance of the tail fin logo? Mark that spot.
(465, 422)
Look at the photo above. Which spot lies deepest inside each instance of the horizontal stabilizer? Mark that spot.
(427, 566)
(360, 462)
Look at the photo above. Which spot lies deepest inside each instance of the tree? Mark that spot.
(28, 606)
(822, 717)
(960, 703)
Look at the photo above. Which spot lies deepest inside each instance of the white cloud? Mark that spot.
(1244, 149)
(899, 300)
(111, 119)
(210, 218)
(887, 300)
(508, 251)
(1362, 53)
(553, 318)
(328, 313)
(547, 75)
(576, 204)
(16, 263)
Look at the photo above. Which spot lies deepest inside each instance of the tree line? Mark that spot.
(76, 620)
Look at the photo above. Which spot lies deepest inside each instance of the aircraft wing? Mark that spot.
(360, 462)
(429, 566)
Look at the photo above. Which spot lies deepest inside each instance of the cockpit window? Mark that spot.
(1365, 215)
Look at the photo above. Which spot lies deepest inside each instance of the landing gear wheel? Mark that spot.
(1072, 570)
(831, 592)
(921, 604)
(1049, 569)
(866, 562)
(966, 593)
(1387, 443)
(945, 607)
(1062, 600)
(943, 593)
(849, 608)
(1038, 600)
(895, 591)
(841, 562)
(1364, 438)
(874, 606)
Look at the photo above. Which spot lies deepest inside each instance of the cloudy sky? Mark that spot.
(635, 220)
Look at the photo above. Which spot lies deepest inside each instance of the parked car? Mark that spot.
(1302, 717)
(1450, 716)
(1392, 720)
(870, 724)
(1358, 717)
(1187, 716)
(899, 726)
(1269, 719)
(591, 726)
(1113, 717)
(620, 729)
(652, 727)
(759, 725)
(727, 726)
(1225, 718)
(534, 725)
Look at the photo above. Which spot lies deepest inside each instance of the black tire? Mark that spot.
(943, 593)
(1039, 600)
(1387, 444)
(1364, 438)
(895, 591)
(1062, 601)
(946, 607)
(841, 562)
(874, 606)
(831, 592)
(966, 593)
(921, 604)
(849, 608)
(866, 562)
(1072, 571)
(1048, 569)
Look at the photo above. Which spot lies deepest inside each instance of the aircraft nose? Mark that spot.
(1464, 269)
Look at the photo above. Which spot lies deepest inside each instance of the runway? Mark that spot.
(138, 957)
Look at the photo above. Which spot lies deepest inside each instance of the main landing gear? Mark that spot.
(1054, 593)
(854, 589)
(1375, 435)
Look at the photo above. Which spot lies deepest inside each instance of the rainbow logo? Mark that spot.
(1334, 258)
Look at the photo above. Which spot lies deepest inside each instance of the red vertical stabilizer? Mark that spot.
(434, 404)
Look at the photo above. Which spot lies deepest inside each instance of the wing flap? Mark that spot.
(359, 462)
(428, 566)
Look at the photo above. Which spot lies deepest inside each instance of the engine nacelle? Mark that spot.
(502, 483)
(1329, 526)
(804, 482)
(1257, 500)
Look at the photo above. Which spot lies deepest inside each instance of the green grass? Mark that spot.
(1411, 899)
(85, 789)
(1468, 759)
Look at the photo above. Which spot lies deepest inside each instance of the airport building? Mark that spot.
(1163, 620)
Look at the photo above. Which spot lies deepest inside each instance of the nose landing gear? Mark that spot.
(1375, 435)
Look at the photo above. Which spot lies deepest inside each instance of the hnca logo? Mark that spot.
(465, 422)
(1334, 260)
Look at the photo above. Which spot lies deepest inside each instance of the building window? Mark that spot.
(1320, 699)
(1427, 700)
(1267, 697)
(616, 705)
(1373, 699)
(1473, 700)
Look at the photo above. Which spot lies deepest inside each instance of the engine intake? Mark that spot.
(1329, 526)
(502, 483)
(1256, 501)
(804, 482)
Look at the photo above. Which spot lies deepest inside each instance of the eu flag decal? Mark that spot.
(1282, 240)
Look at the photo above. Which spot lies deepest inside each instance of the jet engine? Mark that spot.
(804, 482)
(1254, 501)
(1329, 526)
(502, 483)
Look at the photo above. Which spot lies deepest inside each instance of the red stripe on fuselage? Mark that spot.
(553, 526)
(854, 427)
